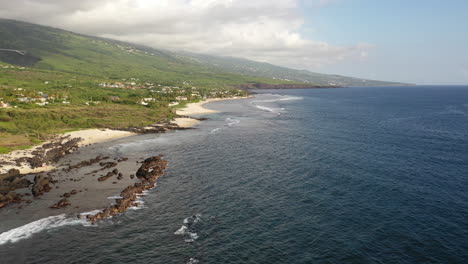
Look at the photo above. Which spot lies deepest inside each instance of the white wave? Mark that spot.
(279, 98)
(26, 231)
(264, 101)
(268, 109)
(193, 219)
(231, 122)
(90, 213)
(455, 110)
(193, 261)
(141, 203)
(181, 231)
(191, 237)
(197, 218)
(186, 229)
(114, 197)
(265, 108)
(291, 98)
(215, 130)
(260, 103)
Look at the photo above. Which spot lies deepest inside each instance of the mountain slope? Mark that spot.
(267, 70)
(60, 50)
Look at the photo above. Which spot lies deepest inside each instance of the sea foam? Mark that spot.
(260, 103)
(51, 222)
(268, 109)
(186, 229)
(193, 261)
(231, 122)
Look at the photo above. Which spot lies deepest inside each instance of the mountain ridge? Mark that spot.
(62, 50)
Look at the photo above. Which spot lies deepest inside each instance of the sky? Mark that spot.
(413, 41)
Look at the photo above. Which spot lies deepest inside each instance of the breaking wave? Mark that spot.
(187, 229)
(268, 109)
(260, 104)
(193, 261)
(51, 222)
(230, 121)
(279, 98)
(140, 201)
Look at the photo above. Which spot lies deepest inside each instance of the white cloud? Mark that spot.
(318, 3)
(262, 30)
(465, 73)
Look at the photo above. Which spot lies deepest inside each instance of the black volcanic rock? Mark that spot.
(41, 185)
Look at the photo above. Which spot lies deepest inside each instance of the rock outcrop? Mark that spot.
(106, 177)
(9, 182)
(12, 180)
(158, 128)
(52, 152)
(60, 204)
(41, 185)
(151, 169)
(86, 163)
(10, 197)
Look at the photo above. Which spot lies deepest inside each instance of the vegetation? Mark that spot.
(67, 81)
(38, 103)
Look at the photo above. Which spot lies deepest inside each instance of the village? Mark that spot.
(148, 93)
(24, 96)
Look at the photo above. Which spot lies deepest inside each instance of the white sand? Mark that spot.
(197, 109)
(89, 136)
(92, 136)
(186, 122)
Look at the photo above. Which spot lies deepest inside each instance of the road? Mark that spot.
(21, 52)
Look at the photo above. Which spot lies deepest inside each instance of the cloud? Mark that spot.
(318, 3)
(464, 73)
(262, 30)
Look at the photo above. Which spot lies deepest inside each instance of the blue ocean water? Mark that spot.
(352, 175)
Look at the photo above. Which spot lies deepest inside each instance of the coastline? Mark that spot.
(198, 108)
(85, 137)
(96, 136)
(88, 177)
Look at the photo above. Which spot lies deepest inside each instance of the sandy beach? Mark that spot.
(197, 109)
(88, 137)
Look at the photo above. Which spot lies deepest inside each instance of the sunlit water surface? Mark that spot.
(356, 175)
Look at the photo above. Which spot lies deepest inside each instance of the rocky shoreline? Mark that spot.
(150, 170)
(18, 188)
(71, 174)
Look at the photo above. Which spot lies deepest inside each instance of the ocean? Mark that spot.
(351, 175)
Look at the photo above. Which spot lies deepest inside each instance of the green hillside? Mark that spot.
(53, 80)
(55, 49)
(59, 50)
(67, 81)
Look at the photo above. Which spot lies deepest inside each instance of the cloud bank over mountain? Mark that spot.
(261, 30)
